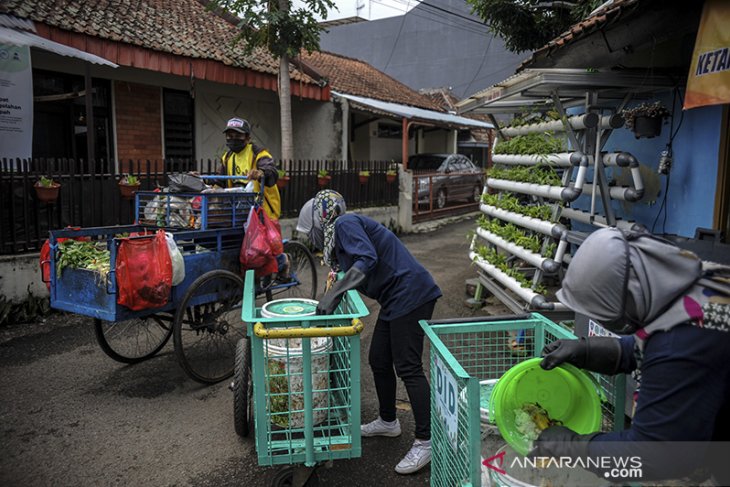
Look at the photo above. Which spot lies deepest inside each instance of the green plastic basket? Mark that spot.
(566, 393)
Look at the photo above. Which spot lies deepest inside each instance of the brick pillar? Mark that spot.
(139, 124)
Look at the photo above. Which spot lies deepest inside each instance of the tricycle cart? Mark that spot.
(297, 385)
(203, 311)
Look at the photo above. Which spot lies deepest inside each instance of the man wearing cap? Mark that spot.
(246, 159)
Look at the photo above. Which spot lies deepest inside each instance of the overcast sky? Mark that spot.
(368, 9)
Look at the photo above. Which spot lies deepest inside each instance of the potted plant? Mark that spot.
(46, 189)
(391, 175)
(128, 185)
(646, 119)
(283, 179)
(323, 178)
(364, 175)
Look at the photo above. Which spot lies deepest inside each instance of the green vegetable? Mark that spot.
(540, 144)
(92, 256)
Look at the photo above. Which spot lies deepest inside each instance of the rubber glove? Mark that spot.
(559, 441)
(597, 354)
(352, 279)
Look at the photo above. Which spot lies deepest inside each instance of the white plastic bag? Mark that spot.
(178, 263)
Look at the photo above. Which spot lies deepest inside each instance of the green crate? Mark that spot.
(463, 353)
(306, 391)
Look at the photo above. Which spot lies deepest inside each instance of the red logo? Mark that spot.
(499, 456)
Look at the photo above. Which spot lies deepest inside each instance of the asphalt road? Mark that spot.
(70, 416)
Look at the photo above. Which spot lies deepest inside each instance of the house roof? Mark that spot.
(355, 77)
(442, 97)
(607, 14)
(175, 36)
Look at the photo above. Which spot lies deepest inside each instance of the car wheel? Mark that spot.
(441, 199)
(477, 194)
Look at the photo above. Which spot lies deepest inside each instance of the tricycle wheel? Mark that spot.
(295, 476)
(242, 389)
(302, 269)
(208, 326)
(134, 340)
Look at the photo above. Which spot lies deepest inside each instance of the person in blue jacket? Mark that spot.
(377, 264)
(675, 321)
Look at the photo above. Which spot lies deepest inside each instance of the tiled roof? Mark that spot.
(178, 27)
(356, 77)
(600, 19)
(442, 97)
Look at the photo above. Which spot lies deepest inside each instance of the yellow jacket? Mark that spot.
(240, 163)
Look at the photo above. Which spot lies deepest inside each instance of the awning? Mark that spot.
(414, 113)
(23, 38)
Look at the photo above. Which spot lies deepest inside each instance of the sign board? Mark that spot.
(596, 330)
(446, 407)
(708, 82)
(16, 102)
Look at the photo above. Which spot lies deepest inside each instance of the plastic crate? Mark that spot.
(306, 391)
(465, 353)
(193, 211)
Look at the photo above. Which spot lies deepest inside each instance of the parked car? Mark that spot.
(454, 177)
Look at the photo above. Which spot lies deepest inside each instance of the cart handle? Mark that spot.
(341, 331)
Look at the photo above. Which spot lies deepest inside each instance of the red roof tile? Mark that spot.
(356, 77)
(608, 14)
(177, 27)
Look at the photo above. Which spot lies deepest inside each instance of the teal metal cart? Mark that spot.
(297, 385)
(467, 355)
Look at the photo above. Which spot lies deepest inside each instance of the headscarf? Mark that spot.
(317, 220)
(628, 281)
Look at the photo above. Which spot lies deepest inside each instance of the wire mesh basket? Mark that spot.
(306, 382)
(198, 211)
(464, 356)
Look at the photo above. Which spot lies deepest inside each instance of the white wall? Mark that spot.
(317, 130)
(384, 149)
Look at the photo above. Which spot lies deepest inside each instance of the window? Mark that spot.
(59, 116)
(179, 123)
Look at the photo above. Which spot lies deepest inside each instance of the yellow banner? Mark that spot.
(709, 73)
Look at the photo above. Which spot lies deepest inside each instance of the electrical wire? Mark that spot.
(395, 43)
(427, 15)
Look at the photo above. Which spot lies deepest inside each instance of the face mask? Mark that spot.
(235, 145)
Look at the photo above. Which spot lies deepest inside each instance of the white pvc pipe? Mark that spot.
(544, 190)
(615, 192)
(561, 159)
(541, 226)
(577, 122)
(509, 282)
(598, 220)
(536, 260)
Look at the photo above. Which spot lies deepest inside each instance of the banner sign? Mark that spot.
(16, 102)
(709, 74)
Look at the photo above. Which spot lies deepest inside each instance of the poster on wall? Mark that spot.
(708, 82)
(16, 102)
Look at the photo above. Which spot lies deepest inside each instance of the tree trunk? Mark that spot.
(287, 135)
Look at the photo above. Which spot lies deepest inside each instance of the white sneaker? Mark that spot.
(417, 457)
(381, 428)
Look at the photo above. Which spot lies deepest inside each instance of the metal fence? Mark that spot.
(89, 195)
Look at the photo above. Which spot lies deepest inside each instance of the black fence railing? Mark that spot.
(89, 195)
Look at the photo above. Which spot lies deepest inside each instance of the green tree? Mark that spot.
(527, 25)
(285, 31)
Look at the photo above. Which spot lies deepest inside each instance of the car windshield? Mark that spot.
(425, 162)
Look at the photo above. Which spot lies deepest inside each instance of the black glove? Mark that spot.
(352, 279)
(597, 354)
(559, 441)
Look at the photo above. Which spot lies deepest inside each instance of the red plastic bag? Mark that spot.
(256, 249)
(144, 272)
(45, 257)
(274, 232)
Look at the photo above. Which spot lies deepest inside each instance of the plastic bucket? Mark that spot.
(566, 393)
(285, 366)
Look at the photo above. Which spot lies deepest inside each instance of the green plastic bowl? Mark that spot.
(568, 395)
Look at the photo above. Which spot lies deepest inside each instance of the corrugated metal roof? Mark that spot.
(22, 38)
(414, 113)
